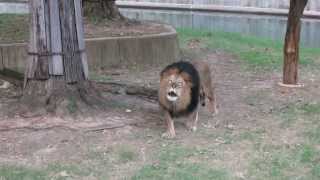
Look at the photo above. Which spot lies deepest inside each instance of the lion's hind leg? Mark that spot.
(192, 121)
(209, 94)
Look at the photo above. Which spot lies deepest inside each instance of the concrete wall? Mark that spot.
(11, 7)
(313, 5)
(141, 51)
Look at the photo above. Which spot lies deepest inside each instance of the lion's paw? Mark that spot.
(191, 127)
(168, 135)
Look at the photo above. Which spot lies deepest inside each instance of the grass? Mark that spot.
(127, 154)
(257, 52)
(292, 112)
(313, 134)
(280, 163)
(13, 28)
(21, 173)
(174, 163)
(291, 161)
(53, 171)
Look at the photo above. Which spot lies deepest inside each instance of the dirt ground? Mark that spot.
(255, 121)
(15, 28)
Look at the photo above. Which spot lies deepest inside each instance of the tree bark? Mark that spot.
(57, 70)
(103, 9)
(292, 40)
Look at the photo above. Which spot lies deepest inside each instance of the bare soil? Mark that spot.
(16, 28)
(125, 28)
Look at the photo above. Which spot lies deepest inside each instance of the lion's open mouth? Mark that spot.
(172, 96)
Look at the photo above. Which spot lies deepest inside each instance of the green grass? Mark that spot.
(174, 162)
(311, 108)
(309, 112)
(281, 163)
(53, 171)
(257, 52)
(21, 173)
(126, 154)
(313, 134)
(13, 28)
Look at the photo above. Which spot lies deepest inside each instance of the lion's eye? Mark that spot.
(179, 84)
(170, 82)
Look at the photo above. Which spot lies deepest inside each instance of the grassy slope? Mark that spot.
(13, 28)
(257, 52)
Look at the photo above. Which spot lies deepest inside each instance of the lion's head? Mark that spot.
(174, 87)
(179, 88)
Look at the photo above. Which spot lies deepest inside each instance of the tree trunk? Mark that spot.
(57, 69)
(292, 40)
(103, 9)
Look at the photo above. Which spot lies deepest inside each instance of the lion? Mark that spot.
(183, 87)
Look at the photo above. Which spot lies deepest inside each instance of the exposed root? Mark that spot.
(104, 10)
(57, 97)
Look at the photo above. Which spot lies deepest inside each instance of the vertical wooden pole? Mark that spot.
(56, 63)
(37, 67)
(292, 40)
(56, 46)
(80, 34)
(73, 67)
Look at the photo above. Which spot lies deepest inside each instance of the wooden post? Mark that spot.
(74, 70)
(57, 68)
(292, 40)
(56, 46)
(37, 67)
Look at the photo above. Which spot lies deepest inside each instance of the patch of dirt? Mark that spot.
(119, 29)
(16, 28)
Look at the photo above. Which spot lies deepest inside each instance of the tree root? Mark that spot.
(57, 97)
(134, 90)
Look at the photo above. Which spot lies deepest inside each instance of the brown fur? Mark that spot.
(206, 96)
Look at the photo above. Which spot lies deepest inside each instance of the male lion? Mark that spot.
(183, 86)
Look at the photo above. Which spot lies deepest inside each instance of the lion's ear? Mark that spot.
(187, 78)
(168, 72)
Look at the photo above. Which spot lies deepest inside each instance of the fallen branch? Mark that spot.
(135, 90)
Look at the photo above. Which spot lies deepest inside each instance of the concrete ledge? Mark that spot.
(212, 8)
(109, 52)
(14, 7)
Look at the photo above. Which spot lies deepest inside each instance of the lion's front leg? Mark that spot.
(192, 122)
(170, 133)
